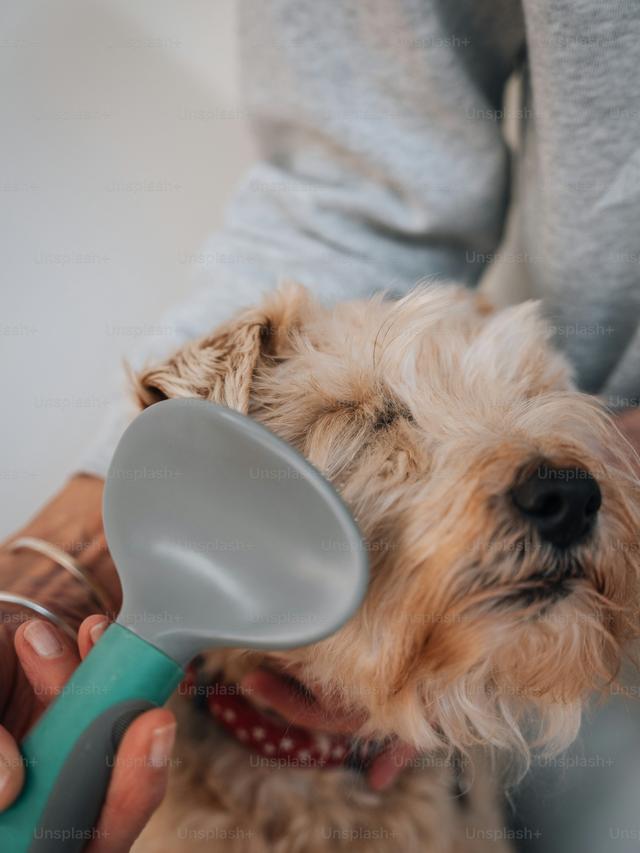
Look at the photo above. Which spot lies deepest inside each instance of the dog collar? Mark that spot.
(276, 741)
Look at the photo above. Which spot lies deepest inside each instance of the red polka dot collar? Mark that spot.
(278, 742)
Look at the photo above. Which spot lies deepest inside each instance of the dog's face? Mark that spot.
(494, 500)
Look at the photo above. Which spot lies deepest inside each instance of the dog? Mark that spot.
(499, 510)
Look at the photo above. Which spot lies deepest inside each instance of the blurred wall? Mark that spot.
(122, 137)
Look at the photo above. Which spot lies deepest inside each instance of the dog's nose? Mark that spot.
(562, 503)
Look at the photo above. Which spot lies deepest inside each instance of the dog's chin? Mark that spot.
(513, 667)
(528, 696)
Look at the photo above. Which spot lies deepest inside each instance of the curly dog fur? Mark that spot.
(476, 639)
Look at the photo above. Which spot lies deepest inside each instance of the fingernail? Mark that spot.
(98, 630)
(162, 745)
(5, 773)
(43, 639)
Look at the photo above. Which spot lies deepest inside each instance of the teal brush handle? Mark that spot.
(69, 754)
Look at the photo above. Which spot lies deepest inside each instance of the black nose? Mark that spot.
(562, 503)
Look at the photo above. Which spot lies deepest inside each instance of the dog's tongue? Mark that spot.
(297, 704)
(280, 694)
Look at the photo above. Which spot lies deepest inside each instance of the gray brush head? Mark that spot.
(223, 535)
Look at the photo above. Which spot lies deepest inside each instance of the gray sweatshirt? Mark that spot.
(383, 163)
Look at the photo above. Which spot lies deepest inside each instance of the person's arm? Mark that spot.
(72, 520)
(382, 160)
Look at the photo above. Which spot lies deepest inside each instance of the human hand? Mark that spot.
(48, 658)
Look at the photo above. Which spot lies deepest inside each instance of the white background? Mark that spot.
(107, 184)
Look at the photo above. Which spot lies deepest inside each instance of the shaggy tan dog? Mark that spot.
(500, 521)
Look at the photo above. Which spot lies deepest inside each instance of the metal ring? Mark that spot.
(41, 610)
(65, 561)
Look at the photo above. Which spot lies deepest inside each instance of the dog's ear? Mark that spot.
(220, 367)
(514, 347)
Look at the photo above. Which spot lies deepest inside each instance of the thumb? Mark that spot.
(11, 769)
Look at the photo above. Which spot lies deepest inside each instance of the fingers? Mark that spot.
(7, 666)
(138, 783)
(280, 696)
(16, 695)
(11, 769)
(90, 632)
(386, 768)
(47, 657)
(141, 766)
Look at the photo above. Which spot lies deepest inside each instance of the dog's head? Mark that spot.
(495, 501)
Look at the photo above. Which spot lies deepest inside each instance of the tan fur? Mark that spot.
(424, 413)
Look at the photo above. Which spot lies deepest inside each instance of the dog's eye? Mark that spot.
(390, 414)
